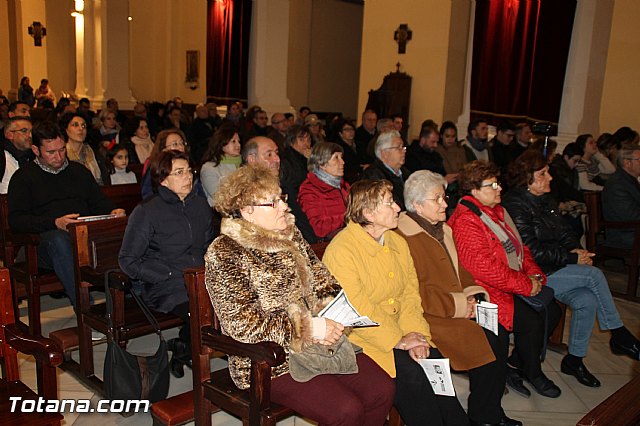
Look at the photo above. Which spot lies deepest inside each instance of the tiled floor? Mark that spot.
(576, 400)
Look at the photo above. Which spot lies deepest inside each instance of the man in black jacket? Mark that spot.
(621, 197)
(390, 153)
(17, 149)
(50, 193)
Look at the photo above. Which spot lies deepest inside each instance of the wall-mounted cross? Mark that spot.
(37, 31)
(401, 36)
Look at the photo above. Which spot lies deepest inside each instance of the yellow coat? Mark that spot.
(381, 283)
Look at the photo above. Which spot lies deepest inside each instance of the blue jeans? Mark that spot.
(586, 290)
(55, 252)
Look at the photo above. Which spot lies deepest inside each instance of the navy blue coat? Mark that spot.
(164, 236)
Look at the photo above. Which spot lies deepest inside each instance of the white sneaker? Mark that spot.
(96, 336)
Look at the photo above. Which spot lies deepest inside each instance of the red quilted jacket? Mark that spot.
(482, 254)
(324, 205)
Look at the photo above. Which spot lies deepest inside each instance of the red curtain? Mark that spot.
(520, 51)
(228, 31)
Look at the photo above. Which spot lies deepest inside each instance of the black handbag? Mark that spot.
(128, 376)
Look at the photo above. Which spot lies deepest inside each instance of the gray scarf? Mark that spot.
(329, 179)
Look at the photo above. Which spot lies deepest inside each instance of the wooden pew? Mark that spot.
(13, 339)
(620, 409)
(126, 196)
(597, 227)
(96, 246)
(27, 279)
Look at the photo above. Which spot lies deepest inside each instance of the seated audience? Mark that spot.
(390, 157)
(17, 149)
(25, 92)
(323, 194)
(452, 153)
(220, 160)
(621, 197)
(448, 295)
(262, 151)
(44, 95)
(293, 171)
(118, 159)
(112, 105)
(259, 125)
(278, 132)
(107, 135)
(48, 194)
(138, 139)
(74, 127)
(266, 284)
(570, 273)
(523, 138)
(545, 146)
(476, 146)
(166, 234)
(19, 109)
(174, 119)
(490, 248)
(593, 165)
(313, 123)
(345, 131)
(200, 134)
(167, 140)
(364, 134)
(375, 269)
(564, 186)
(503, 145)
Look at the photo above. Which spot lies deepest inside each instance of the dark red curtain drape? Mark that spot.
(520, 51)
(228, 31)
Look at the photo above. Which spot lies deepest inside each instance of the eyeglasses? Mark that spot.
(632, 159)
(388, 203)
(399, 148)
(275, 202)
(181, 172)
(275, 123)
(175, 144)
(493, 185)
(24, 131)
(439, 199)
(76, 124)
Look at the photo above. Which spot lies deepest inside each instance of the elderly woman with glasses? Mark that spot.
(569, 268)
(376, 271)
(449, 294)
(166, 234)
(266, 284)
(323, 194)
(491, 249)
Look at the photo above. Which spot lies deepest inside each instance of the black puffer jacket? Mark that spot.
(164, 236)
(542, 229)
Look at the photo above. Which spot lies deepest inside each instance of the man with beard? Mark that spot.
(477, 143)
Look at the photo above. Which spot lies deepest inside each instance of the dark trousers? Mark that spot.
(528, 334)
(55, 252)
(361, 399)
(415, 400)
(487, 381)
(182, 311)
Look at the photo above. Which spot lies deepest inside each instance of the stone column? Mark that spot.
(584, 79)
(268, 55)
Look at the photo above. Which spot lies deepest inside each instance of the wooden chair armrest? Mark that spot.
(269, 353)
(621, 225)
(43, 349)
(23, 238)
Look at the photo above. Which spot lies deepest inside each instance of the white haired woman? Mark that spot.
(448, 294)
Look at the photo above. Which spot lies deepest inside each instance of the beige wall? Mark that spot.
(425, 59)
(34, 59)
(161, 33)
(5, 70)
(60, 39)
(621, 91)
(323, 71)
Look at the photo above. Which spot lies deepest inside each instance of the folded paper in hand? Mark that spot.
(340, 310)
(487, 316)
(439, 375)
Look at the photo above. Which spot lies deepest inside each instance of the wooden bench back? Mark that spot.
(8, 247)
(593, 200)
(202, 313)
(126, 196)
(8, 355)
(97, 244)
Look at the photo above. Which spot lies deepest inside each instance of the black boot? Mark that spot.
(181, 356)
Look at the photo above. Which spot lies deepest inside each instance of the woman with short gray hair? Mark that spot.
(323, 193)
(448, 293)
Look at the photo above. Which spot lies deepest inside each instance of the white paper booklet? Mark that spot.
(340, 310)
(487, 316)
(439, 375)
